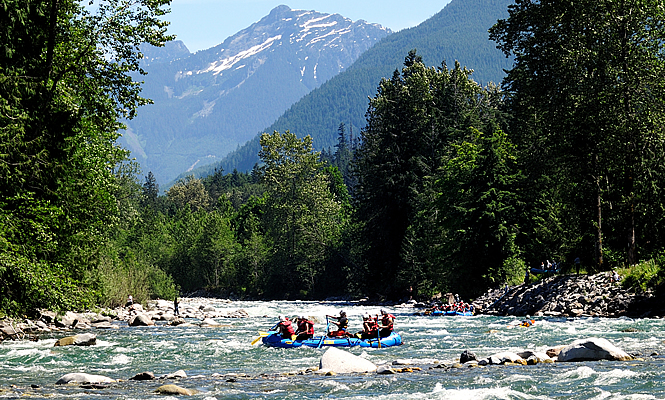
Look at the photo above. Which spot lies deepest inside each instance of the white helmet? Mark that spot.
(303, 317)
(282, 318)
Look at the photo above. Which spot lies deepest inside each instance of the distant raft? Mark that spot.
(452, 313)
(274, 339)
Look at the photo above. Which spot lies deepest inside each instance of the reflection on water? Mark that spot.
(222, 363)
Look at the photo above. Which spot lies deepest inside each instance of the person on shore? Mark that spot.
(176, 310)
(285, 328)
(387, 323)
(305, 328)
(526, 276)
(577, 265)
(130, 301)
(342, 325)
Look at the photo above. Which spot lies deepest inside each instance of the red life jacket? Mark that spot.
(372, 326)
(386, 321)
(287, 327)
(306, 326)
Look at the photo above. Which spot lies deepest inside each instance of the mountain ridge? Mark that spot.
(210, 102)
(457, 32)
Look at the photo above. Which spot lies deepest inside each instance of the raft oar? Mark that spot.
(324, 336)
(263, 334)
(378, 331)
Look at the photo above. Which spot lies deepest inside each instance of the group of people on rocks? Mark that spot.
(302, 328)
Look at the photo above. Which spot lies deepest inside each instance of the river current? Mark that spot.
(221, 363)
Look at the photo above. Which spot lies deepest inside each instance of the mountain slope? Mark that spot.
(208, 103)
(458, 32)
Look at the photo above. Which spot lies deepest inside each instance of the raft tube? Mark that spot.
(275, 340)
(452, 313)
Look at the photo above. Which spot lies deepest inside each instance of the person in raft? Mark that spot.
(342, 325)
(285, 328)
(305, 328)
(370, 328)
(387, 322)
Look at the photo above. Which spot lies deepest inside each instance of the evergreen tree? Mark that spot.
(587, 93)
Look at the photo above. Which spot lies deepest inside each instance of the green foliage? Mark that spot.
(64, 85)
(587, 97)
(644, 276)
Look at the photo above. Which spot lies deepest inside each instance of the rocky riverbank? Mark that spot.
(46, 322)
(569, 296)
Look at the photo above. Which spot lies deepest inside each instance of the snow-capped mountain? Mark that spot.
(208, 103)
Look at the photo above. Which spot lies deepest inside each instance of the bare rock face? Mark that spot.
(343, 362)
(84, 339)
(78, 377)
(592, 349)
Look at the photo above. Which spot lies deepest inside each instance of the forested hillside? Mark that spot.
(452, 186)
(458, 32)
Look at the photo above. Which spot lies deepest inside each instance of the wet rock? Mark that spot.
(554, 351)
(84, 339)
(209, 322)
(343, 362)
(78, 377)
(385, 370)
(540, 356)
(467, 356)
(505, 357)
(179, 374)
(592, 349)
(143, 376)
(141, 320)
(175, 390)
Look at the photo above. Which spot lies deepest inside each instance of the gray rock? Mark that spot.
(385, 370)
(592, 349)
(175, 390)
(78, 377)
(467, 356)
(141, 320)
(143, 376)
(343, 362)
(84, 339)
(179, 374)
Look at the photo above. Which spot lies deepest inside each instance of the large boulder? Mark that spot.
(84, 339)
(592, 349)
(141, 320)
(79, 377)
(343, 362)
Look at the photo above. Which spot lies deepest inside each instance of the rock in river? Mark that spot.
(175, 389)
(78, 377)
(84, 339)
(343, 362)
(592, 349)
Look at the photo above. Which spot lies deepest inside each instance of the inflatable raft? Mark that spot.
(273, 339)
(452, 313)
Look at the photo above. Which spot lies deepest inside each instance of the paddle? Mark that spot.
(324, 336)
(378, 331)
(263, 334)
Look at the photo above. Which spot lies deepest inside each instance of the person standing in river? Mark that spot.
(176, 311)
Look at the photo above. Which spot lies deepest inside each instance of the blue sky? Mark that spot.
(202, 24)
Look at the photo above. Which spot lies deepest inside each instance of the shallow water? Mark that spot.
(209, 355)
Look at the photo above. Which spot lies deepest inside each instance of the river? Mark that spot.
(210, 357)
